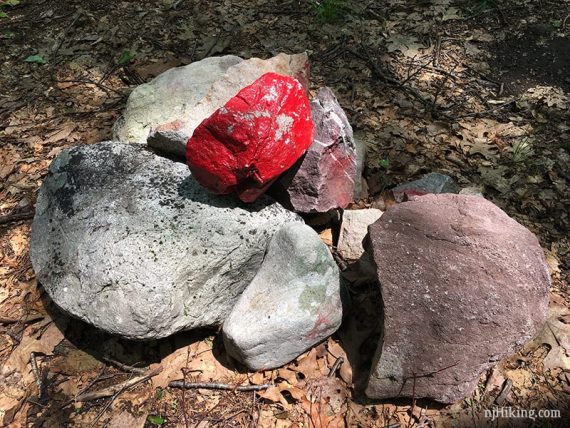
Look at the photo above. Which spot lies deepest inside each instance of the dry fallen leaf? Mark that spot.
(16, 377)
(555, 334)
(172, 367)
(275, 394)
(327, 237)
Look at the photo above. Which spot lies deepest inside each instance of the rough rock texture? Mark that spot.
(324, 179)
(292, 303)
(168, 97)
(463, 285)
(256, 136)
(173, 135)
(433, 182)
(360, 160)
(353, 230)
(130, 243)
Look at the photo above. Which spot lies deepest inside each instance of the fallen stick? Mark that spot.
(222, 386)
(37, 374)
(125, 367)
(335, 366)
(504, 392)
(25, 320)
(115, 389)
(14, 217)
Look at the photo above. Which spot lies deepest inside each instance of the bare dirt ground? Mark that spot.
(475, 89)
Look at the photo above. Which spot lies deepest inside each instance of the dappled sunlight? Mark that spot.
(477, 90)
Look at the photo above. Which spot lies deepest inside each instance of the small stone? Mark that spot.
(353, 230)
(325, 178)
(463, 285)
(256, 136)
(433, 182)
(130, 243)
(292, 303)
(171, 137)
(473, 190)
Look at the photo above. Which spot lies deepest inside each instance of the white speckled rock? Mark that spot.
(292, 303)
(168, 97)
(172, 136)
(353, 230)
(130, 243)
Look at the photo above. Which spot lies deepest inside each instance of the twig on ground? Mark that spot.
(15, 217)
(221, 386)
(125, 367)
(26, 320)
(482, 75)
(335, 366)
(380, 74)
(56, 48)
(112, 390)
(504, 392)
(94, 381)
(36, 372)
(342, 264)
(88, 81)
(564, 22)
(415, 73)
(104, 409)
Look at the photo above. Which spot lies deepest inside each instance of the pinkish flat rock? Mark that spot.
(463, 285)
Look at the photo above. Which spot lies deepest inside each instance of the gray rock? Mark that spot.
(472, 190)
(292, 303)
(433, 182)
(168, 97)
(463, 285)
(353, 230)
(172, 136)
(324, 179)
(128, 242)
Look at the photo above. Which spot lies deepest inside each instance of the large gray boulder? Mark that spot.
(169, 96)
(291, 304)
(463, 285)
(171, 136)
(128, 242)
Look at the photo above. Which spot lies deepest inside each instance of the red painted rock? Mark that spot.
(257, 135)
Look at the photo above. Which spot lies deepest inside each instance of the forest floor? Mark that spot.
(478, 90)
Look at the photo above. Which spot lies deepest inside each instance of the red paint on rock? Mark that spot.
(256, 136)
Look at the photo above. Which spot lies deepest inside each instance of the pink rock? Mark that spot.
(325, 178)
(256, 136)
(463, 285)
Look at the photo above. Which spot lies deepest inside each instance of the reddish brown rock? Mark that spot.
(463, 285)
(256, 136)
(325, 178)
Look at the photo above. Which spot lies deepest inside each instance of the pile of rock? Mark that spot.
(133, 243)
